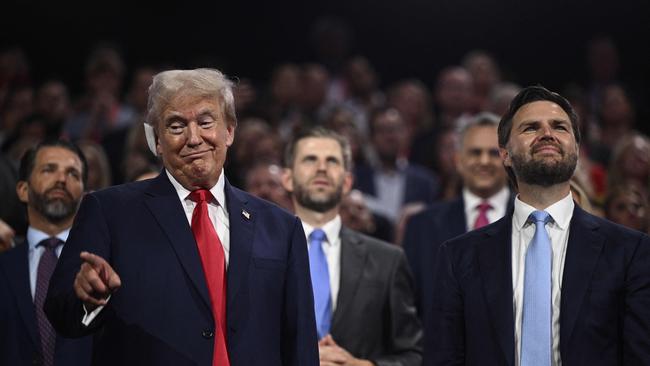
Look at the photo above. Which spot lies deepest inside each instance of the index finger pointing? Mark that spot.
(93, 259)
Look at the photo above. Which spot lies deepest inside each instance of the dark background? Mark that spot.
(535, 42)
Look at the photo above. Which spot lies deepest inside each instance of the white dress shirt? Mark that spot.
(523, 231)
(217, 211)
(498, 201)
(332, 249)
(34, 253)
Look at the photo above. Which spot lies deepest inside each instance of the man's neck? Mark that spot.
(40, 223)
(542, 197)
(313, 218)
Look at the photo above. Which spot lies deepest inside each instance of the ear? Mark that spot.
(348, 181)
(505, 156)
(152, 141)
(287, 180)
(22, 189)
(230, 131)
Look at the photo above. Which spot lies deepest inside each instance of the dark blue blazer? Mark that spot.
(20, 344)
(604, 310)
(421, 185)
(161, 315)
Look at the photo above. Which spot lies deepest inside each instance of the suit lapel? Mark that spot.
(353, 259)
(166, 208)
(495, 266)
(18, 278)
(583, 249)
(242, 225)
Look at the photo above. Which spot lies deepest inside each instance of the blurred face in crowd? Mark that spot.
(454, 91)
(55, 185)
(479, 163)
(628, 208)
(388, 135)
(193, 137)
(318, 178)
(542, 149)
(265, 181)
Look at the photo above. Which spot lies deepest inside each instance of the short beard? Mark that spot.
(54, 210)
(322, 205)
(538, 172)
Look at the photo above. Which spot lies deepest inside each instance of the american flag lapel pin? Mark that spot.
(246, 215)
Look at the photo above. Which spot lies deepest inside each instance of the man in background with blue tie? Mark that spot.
(549, 284)
(363, 290)
(52, 177)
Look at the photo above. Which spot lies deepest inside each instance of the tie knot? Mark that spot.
(50, 243)
(201, 195)
(540, 216)
(317, 235)
(484, 206)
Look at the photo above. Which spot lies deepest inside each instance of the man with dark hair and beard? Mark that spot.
(549, 284)
(52, 177)
(363, 288)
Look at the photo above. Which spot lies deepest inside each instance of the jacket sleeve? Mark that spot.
(636, 319)
(299, 341)
(405, 331)
(89, 233)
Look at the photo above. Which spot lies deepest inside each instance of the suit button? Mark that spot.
(207, 334)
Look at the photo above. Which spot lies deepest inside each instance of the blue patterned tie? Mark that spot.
(44, 271)
(536, 323)
(320, 281)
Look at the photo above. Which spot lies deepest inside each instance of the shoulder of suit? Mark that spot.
(612, 230)
(258, 204)
(374, 244)
(438, 209)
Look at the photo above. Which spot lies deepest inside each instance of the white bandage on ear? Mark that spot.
(150, 135)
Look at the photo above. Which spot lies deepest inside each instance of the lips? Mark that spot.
(58, 193)
(547, 148)
(195, 155)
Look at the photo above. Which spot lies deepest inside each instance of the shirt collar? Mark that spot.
(35, 236)
(561, 212)
(332, 229)
(498, 199)
(217, 190)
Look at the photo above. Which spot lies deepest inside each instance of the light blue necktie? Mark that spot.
(536, 323)
(320, 282)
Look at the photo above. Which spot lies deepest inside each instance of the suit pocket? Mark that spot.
(269, 263)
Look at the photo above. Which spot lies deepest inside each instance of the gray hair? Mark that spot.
(207, 83)
(483, 119)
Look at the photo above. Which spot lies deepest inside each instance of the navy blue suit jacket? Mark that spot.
(420, 185)
(604, 309)
(161, 315)
(20, 344)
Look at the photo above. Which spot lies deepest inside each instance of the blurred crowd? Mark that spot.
(405, 129)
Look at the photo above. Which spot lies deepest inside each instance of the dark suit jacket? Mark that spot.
(20, 343)
(161, 315)
(420, 185)
(375, 316)
(605, 305)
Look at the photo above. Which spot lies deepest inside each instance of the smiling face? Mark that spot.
(318, 178)
(542, 149)
(479, 163)
(193, 137)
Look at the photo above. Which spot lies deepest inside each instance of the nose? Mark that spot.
(194, 134)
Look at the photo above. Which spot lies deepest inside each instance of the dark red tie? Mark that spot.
(481, 219)
(214, 269)
(44, 271)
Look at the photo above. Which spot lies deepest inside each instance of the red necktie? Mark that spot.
(481, 219)
(214, 269)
